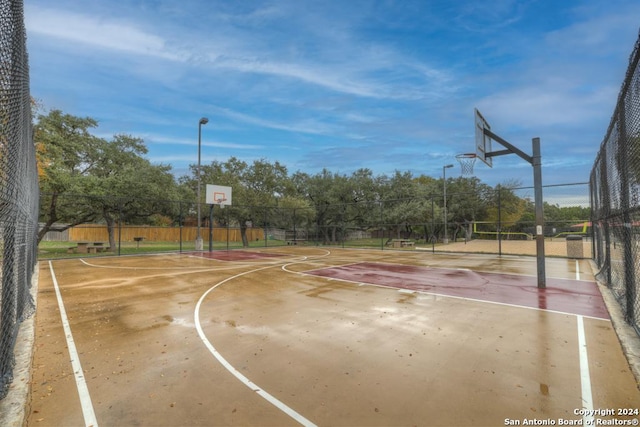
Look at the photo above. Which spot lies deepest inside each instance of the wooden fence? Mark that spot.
(99, 233)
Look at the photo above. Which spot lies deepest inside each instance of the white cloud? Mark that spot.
(303, 126)
(99, 33)
(548, 105)
(372, 72)
(161, 139)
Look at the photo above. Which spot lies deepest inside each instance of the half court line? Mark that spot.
(81, 384)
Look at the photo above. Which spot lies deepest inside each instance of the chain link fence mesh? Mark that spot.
(18, 186)
(483, 221)
(615, 195)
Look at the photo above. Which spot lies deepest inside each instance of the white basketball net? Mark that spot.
(466, 163)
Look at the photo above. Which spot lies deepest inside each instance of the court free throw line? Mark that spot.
(81, 384)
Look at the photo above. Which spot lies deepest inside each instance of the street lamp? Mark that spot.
(203, 121)
(444, 179)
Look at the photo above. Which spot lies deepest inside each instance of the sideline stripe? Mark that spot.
(577, 270)
(585, 377)
(83, 390)
(246, 381)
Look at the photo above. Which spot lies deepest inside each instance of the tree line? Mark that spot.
(87, 179)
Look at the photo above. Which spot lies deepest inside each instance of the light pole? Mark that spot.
(444, 179)
(203, 121)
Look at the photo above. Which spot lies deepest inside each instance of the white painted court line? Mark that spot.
(577, 270)
(83, 390)
(436, 294)
(585, 376)
(246, 381)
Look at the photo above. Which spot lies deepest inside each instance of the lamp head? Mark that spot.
(204, 121)
(448, 166)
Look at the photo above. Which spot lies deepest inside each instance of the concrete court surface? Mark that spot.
(181, 340)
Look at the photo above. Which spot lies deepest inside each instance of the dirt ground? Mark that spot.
(552, 248)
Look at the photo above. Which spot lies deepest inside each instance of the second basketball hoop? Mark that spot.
(218, 195)
(466, 161)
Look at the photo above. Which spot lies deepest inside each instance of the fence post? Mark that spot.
(119, 225)
(499, 228)
(432, 237)
(180, 223)
(381, 226)
(623, 167)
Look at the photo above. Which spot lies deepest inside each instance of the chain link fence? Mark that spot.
(615, 195)
(18, 187)
(496, 221)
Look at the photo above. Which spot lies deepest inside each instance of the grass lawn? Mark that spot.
(54, 250)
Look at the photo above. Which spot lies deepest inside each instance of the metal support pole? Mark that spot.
(433, 225)
(499, 228)
(198, 236)
(444, 178)
(211, 228)
(119, 227)
(381, 227)
(180, 224)
(203, 121)
(537, 183)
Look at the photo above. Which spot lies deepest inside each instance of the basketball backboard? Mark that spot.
(483, 142)
(218, 195)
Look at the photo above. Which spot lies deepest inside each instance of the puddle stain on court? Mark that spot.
(386, 349)
(406, 297)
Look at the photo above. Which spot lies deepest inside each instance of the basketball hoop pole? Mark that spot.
(536, 161)
(210, 228)
(537, 185)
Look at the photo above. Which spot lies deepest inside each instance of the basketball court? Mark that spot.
(325, 336)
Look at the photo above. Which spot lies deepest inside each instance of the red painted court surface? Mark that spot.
(561, 295)
(325, 337)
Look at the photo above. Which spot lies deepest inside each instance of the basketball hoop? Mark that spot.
(466, 161)
(220, 202)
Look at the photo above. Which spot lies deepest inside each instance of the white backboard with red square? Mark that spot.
(218, 195)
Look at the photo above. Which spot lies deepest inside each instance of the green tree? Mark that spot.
(467, 202)
(67, 154)
(85, 178)
(404, 205)
(256, 188)
(507, 208)
(133, 189)
(323, 191)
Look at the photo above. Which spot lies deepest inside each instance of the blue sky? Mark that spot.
(385, 85)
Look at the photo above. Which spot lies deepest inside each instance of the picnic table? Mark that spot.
(402, 243)
(296, 241)
(87, 247)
